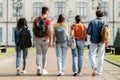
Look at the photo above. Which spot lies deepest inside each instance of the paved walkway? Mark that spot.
(8, 71)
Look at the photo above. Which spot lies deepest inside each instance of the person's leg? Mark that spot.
(100, 58)
(74, 60)
(80, 49)
(44, 49)
(59, 57)
(64, 54)
(92, 56)
(18, 56)
(25, 53)
(38, 55)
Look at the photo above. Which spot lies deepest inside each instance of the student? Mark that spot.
(60, 34)
(42, 42)
(21, 24)
(77, 53)
(96, 46)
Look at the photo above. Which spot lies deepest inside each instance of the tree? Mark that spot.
(117, 43)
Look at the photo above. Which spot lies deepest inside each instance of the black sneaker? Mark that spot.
(38, 72)
(59, 74)
(18, 72)
(75, 74)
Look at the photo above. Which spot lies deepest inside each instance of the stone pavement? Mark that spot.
(8, 71)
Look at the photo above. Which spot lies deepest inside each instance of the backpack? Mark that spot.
(105, 33)
(39, 29)
(25, 39)
(60, 33)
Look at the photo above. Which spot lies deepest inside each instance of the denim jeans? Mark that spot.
(77, 56)
(61, 53)
(41, 49)
(97, 49)
(19, 52)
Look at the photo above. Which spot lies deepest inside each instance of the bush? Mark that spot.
(117, 43)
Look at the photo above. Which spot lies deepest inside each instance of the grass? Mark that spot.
(9, 52)
(113, 58)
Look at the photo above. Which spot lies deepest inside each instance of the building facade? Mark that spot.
(11, 10)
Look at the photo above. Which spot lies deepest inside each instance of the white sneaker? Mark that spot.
(24, 71)
(44, 72)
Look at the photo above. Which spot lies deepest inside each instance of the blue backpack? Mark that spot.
(60, 33)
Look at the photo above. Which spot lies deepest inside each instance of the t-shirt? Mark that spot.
(59, 24)
(79, 31)
(47, 21)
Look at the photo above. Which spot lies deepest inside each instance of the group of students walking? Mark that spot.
(60, 41)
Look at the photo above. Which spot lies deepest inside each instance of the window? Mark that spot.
(82, 8)
(13, 30)
(1, 10)
(0, 34)
(17, 9)
(105, 8)
(119, 9)
(59, 8)
(37, 8)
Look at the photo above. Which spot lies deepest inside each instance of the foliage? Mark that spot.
(117, 39)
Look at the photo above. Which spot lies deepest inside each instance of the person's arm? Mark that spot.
(71, 30)
(49, 33)
(85, 33)
(53, 39)
(48, 23)
(15, 37)
(89, 29)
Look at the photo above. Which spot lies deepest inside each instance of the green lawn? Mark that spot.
(113, 58)
(9, 52)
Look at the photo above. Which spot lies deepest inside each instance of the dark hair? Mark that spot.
(22, 22)
(77, 18)
(44, 9)
(61, 18)
(99, 13)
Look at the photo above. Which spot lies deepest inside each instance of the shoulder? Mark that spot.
(56, 25)
(66, 26)
(48, 21)
(35, 20)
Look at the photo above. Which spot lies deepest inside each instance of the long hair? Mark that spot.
(22, 22)
(61, 18)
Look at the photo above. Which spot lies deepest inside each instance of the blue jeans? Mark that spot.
(77, 56)
(61, 53)
(97, 49)
(19, 52)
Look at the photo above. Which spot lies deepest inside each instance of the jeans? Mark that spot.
(41, 49)
(97, 49)
(77, 56)
(19, 52)
(61, 53)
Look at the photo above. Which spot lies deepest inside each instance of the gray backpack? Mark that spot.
(60, 33)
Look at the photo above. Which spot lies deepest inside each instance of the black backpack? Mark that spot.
(25, 39)
(39, 28)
